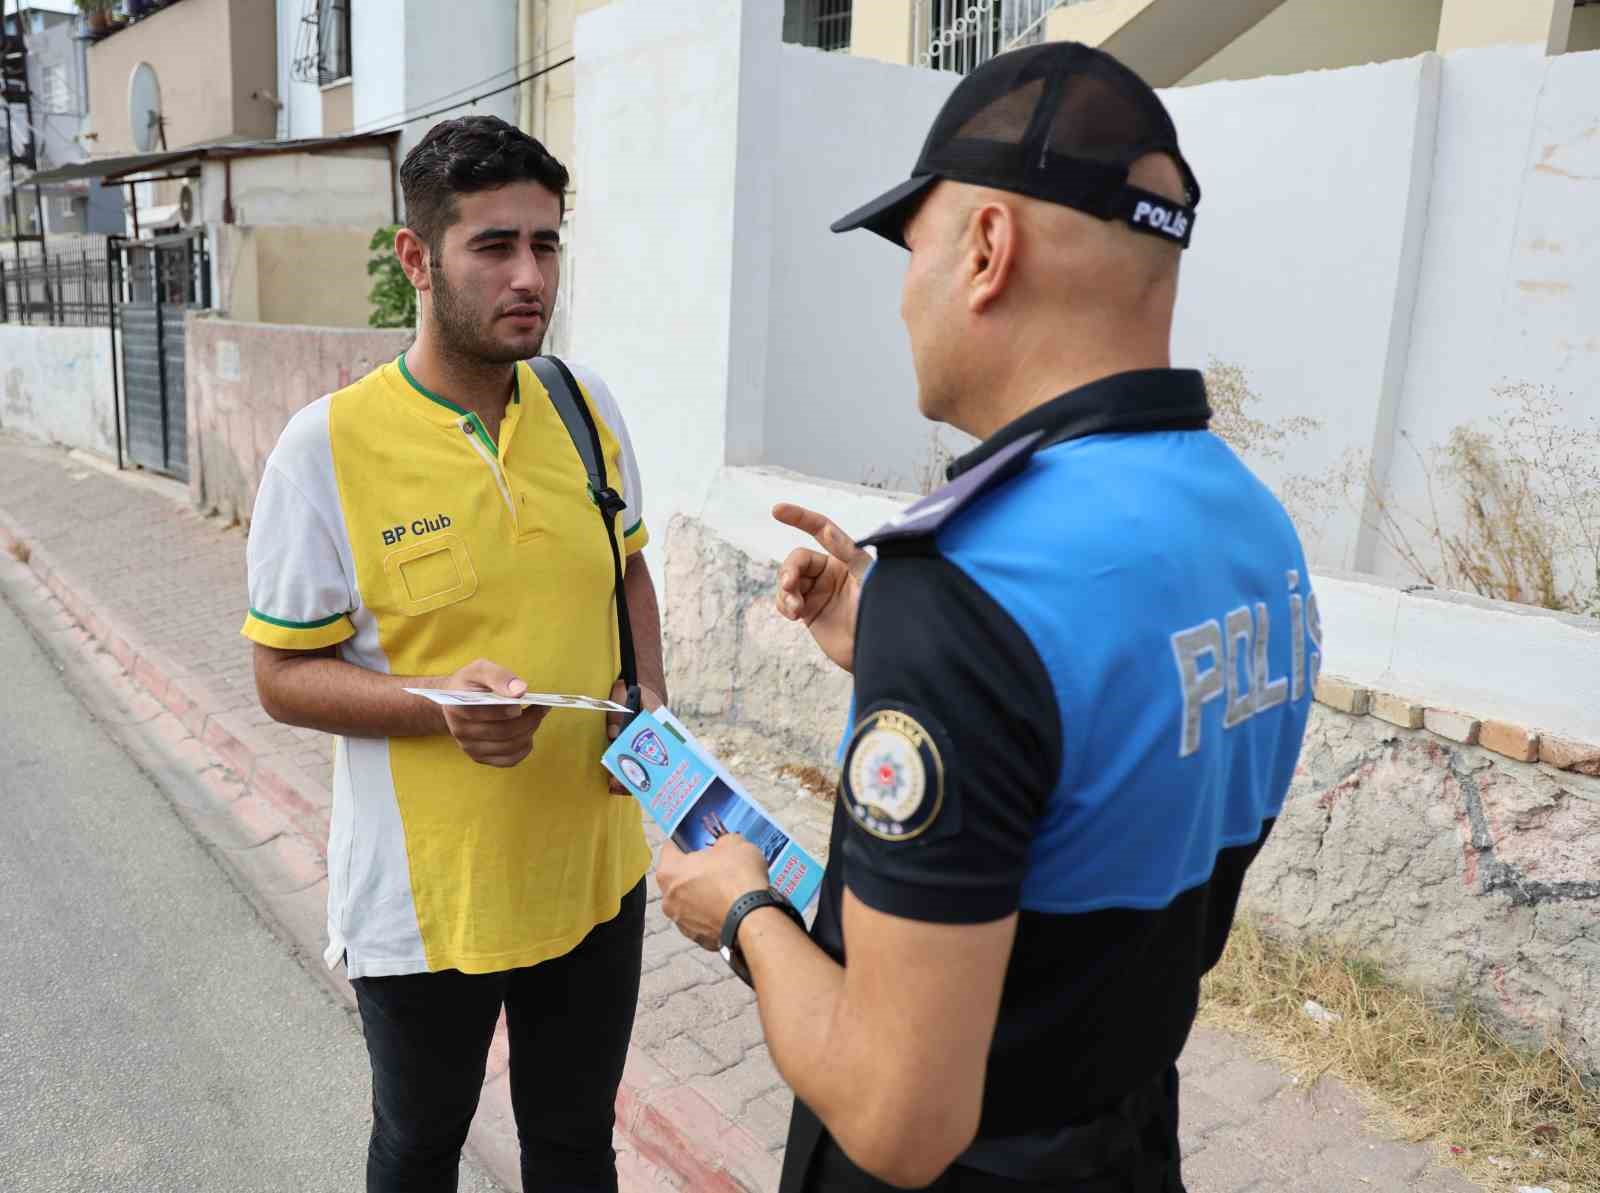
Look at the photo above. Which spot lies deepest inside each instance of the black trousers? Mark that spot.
(567, 1021)
(1132, 1148)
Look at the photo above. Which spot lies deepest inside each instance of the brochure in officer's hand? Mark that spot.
(694, 800)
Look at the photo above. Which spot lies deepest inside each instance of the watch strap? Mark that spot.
(743, 906)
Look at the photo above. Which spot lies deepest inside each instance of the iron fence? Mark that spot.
(164, 270)
(63, 283)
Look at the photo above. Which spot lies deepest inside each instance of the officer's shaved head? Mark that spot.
(1002, 282)
(1150, 259)
(1077, 258)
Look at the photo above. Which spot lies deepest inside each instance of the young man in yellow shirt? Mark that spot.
(433, 525)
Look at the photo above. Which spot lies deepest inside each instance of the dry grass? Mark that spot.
(1231, 398)
(1507, 1116)
(18, 550)
(813, 779)
(1526, 497)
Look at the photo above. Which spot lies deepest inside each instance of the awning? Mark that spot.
(114, 169)
(106, 167)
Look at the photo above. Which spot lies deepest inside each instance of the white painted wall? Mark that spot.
(659, 85)
(411, 56)
(1509, 287)
(1488, 658)
(301, 114)
(840, 392)
(1271, 270)
(56, 386)
(739, 508)
(65, 7)
(454, 51)
(1377, 248)
(1314, 194)
(377, 63)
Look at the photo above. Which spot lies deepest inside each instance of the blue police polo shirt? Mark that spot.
(1082, 675)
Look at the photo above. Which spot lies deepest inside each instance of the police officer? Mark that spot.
(1082, 674)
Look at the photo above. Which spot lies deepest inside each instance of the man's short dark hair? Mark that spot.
(467, 155)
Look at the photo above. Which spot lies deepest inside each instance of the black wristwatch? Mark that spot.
(743, 906)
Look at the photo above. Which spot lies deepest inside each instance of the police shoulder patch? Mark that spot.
(893, 776)
(927, 517)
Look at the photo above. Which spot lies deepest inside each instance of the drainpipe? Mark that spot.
(394, 185)
(527, 41)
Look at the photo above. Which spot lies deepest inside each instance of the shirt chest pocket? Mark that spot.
(430, 575)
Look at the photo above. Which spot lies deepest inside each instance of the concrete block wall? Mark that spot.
(245, 381)
(56, 386)
(1457, 843)
(1470, 870)
(731, 660)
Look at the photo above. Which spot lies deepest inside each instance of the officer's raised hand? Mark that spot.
(822, 590)
(493, 734)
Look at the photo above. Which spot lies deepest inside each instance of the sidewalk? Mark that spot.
(161, 589)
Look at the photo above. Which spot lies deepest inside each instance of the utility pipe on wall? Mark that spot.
(526, 41)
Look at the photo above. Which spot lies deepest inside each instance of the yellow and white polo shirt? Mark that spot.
(389, 524)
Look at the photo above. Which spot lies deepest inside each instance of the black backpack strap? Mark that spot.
(569, 402)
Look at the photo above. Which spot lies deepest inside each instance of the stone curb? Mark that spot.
(1516, 742)
(671, 1125)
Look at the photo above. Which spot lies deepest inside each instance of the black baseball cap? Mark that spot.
(1061, 122)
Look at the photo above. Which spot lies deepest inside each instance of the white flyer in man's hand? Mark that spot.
(547, 699)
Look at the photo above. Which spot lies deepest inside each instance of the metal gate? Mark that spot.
(155, 282)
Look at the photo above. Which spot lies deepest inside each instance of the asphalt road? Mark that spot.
(154, 1033)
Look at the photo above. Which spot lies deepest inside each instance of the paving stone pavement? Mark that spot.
(705, 1108)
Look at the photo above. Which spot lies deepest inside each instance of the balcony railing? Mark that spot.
(98, 23)
(961, 35)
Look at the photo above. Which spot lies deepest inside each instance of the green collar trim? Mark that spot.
(473, 421)
(425, 391)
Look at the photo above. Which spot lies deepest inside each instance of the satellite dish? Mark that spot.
(186, 207)
(144, 109)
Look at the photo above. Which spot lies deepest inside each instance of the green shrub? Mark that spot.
(394, 300)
